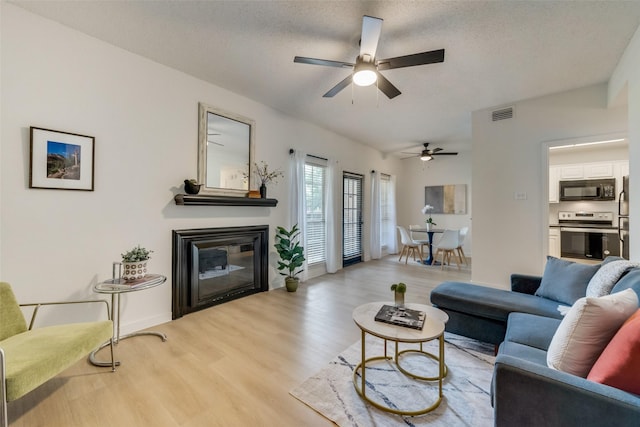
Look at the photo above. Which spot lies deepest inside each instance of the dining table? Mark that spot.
(430, 232)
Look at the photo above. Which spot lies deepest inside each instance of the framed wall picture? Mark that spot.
(61, 160)
(446, 199)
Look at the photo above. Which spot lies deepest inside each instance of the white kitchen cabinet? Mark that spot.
(554, 179)
(598, 170)
(571, 172)
(554, 242)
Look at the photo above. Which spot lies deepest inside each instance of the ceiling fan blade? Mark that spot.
(410, 157)
(386, 87)
(371, 28)
(423, 58)
(337, 88)
(444, 154)
(325, 62)
(435, 150)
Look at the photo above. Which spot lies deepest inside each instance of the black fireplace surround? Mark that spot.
(216, 265)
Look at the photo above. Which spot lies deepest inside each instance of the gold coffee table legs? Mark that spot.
(360, 383)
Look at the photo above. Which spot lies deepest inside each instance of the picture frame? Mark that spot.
(446, 199)
(61, 160)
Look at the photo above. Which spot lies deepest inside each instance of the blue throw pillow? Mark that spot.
(565, 281)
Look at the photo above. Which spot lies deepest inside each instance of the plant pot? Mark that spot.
(291, 283)
(134, 270)
(191, 188)
(428, 226)
(399, 299)
(263, 191)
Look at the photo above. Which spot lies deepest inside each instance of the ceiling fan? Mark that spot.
(427, 154)
(366, 70)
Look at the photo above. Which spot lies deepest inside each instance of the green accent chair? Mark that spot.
(29, 356)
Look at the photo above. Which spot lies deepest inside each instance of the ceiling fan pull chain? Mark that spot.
(352, 93)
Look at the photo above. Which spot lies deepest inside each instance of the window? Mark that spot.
(387, 229)
(314, 176)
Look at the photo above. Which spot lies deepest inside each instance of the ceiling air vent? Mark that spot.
(502, 114)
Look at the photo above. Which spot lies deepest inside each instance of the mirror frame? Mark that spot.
(204, 110)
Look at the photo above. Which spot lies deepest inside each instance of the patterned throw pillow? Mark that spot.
(606, 277)
(587, 329)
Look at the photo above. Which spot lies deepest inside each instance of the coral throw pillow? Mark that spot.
(619, 364)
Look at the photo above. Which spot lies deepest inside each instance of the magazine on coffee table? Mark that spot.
(401, 316)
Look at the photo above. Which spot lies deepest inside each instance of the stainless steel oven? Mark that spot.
(588, 235)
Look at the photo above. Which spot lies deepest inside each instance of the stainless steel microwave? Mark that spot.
(588, 189)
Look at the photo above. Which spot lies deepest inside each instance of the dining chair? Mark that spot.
(461, 236)
(408, 245)
(448, 244)
(419, 237)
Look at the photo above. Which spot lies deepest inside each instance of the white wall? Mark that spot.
(443, 170)
(625, 84)
(507, 158)
(56, 245)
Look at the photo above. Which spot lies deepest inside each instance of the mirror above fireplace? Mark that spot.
(225, 152)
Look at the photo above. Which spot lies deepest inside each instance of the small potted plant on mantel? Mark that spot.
(399, 290)
(265, 176)
(291, 256)
(134, 263)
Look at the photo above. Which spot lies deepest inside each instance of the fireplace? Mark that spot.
(216, 265)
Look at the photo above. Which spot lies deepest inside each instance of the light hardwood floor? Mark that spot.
(229, 365)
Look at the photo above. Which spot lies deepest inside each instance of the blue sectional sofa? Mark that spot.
(525, 391)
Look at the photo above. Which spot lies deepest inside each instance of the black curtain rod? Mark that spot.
(291, 151)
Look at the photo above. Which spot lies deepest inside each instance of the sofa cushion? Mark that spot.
(531, 330)
(525, 352)
(491, 303)
(630, 279)
(619, 364)
(587, 329)
(606, 277)
(565, 281)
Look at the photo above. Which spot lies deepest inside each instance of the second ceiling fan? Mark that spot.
(366, 70)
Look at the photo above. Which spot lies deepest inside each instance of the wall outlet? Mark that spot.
(520, 195)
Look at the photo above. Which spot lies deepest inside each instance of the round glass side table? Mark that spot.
(115, 288)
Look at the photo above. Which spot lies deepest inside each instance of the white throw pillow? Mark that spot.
(606, 277)
(587, 329)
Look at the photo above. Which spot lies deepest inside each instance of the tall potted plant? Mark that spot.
(291, 256)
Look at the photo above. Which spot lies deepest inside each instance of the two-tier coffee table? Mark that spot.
(364, 317)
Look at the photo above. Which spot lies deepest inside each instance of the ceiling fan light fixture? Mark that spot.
(425, 157)
(365, 74)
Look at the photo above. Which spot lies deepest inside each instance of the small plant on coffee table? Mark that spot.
(399, 290)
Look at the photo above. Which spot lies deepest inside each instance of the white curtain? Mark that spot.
(333, 244)
(376, 217)
(297, 201)
(392, 244)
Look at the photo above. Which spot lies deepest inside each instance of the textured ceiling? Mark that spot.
(497, 52)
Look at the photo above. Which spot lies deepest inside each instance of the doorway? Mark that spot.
(352, 218)
(602, 157)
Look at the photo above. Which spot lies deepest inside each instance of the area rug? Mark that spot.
(466, 387)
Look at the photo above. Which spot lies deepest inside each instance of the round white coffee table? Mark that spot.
(364, 317)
